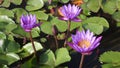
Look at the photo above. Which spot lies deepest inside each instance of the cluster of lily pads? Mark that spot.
(44, 33)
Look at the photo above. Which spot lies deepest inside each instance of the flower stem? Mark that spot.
(81, 62)
(35, 52)
(56, 42)
(68, 31)
(54, 35)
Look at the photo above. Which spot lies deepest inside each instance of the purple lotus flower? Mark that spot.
(70, 12)
(28, 22)
(84, 42)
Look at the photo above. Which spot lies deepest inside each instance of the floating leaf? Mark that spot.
(82, 16)
(111, 59)
(2, 35)
(48, 58)
(10, 27)
(27, 64)
(6, 3)
(61, 36)
(116, 16)
(96, 24)
(34, 4)
(65, 1)
(1, 43)
(118, 4)
(19, 32)
(27, 50)
(3, 66)
(109, 6)
(61, 25)
(6, 12)
(62, 56)
(96, 28)
(28, 47)
(16, 2)
(75, 25)
(46, 27)
(46, 66)
(40, 15)
(118, 24)
(6, 24)
(85, 9)
(94, 5)
(9, 46)
(46, 61)
(10, 37)
(9, 58)
(18, 13)
(43, 40)
(110, 66)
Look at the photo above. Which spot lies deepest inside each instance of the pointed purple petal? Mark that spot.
(76, 19)
(75, 47)
(64, 18)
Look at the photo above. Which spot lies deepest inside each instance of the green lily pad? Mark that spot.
(2, 35)
(6, 24)
(28, 47)
(18, 13)
(19, 32)
(111, 59)
(61, 25)
(62, 56)
(116, 16)
(109, 6)
(16, 2)
(46, 27)
(6, 12)
(40, 15)
(6, 3)
(9, 46)
(34, 4)
(96, 24)
(48, 58)
(94, 5)
(9, 58)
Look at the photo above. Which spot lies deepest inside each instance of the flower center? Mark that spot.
(84, 43)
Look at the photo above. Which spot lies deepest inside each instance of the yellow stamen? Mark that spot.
(84, 43)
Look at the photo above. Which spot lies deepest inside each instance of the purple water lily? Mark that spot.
(70, 12)
(28, 22)
(84, 42)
